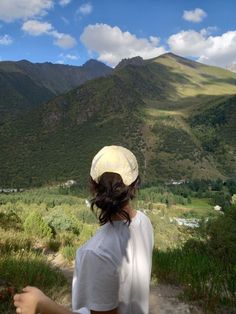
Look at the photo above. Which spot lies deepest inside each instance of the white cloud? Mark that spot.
(112, 44)
(71, 57)
(37, 28)
(5, 40)
(63, 3)
(64, 41)
(194, 16)
(214, 50)
(154, 40)
(188, 43)
(63, 58)
(11, 10)
(85, 8)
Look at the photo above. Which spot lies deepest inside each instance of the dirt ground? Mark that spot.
(164, 300)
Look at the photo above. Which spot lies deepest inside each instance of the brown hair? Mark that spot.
(111, 195)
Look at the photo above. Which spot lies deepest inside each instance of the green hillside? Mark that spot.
(24, 85)
(177, 115)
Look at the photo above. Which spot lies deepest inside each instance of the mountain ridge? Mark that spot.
(175, 115)
(24, 84)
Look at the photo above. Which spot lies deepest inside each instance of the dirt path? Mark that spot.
(163, 298)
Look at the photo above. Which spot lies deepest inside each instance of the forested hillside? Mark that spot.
(24, 85)
(177, 115)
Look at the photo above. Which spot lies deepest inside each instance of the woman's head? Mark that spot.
(114, 181)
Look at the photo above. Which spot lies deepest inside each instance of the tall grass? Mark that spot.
(28, 268)
(202, 276)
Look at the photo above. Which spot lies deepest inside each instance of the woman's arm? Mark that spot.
(33, 301)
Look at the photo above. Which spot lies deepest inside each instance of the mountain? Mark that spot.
(177, 116)
(130, 61)
(24, 84)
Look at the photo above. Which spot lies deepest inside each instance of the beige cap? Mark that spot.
(116, 159)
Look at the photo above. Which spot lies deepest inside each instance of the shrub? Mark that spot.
(59, 221)
(9, 218)
(35, 226)
(222, 237)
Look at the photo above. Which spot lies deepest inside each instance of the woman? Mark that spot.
(112, 269)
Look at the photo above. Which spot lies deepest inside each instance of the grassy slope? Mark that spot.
(199, 92)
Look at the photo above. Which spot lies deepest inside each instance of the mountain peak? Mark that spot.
(173, 56)
(169, 54)
(92, 63)
(24, 61)
(137, 61)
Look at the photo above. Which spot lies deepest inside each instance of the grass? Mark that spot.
(200, 203)
(210, 80)
(30, 268)
(69, 252)
(199, 208)
(200, 274)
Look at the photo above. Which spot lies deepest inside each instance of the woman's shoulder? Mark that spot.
(104, 244)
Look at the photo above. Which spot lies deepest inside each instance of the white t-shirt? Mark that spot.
(113, 268)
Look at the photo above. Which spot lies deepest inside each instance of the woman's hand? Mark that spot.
(29, 301)
(34, 301)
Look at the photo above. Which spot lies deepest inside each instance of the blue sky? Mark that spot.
(73, 31)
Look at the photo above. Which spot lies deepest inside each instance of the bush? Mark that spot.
(223, 199)
(59, 221)
(9, 218)
(35, 226)
(222, 237)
